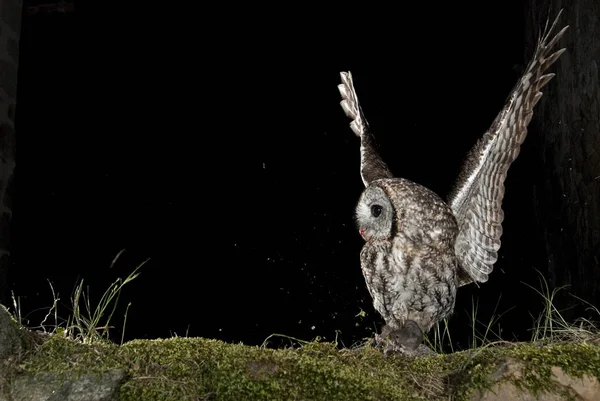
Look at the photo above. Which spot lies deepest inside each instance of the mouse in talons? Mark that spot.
(406, 340)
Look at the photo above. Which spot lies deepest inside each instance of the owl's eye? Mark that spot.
(376, 210)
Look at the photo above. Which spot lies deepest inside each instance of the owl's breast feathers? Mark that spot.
(410, 281)
(412, 275)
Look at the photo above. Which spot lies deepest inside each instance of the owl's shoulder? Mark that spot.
(408, 187)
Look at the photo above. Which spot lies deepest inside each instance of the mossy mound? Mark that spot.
(203, 369)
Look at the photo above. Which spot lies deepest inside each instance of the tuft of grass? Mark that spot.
(483, 334)
(87, 323)
(440, 337)
(93, 323)
(488, 336)
(551, 326)
(17, 308)
(548, 327)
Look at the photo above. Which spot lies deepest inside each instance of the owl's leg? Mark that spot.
(385, 332)
(380, 339)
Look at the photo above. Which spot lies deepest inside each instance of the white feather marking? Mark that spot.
(518, 102)
(526, 81)
(363, 212)
(533, 64)
(511, 119)
(362, 163)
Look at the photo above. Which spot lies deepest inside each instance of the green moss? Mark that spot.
(198, 368)
(62, 354)
(202, 369)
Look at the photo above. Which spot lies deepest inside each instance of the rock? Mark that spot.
(13, 339)
(52, 386)
(586, 388)
(508, 392)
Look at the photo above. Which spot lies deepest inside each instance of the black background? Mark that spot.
(213, 143)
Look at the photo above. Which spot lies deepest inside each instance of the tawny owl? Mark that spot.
(419, 248)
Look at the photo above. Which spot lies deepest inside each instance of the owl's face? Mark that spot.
(374, 214)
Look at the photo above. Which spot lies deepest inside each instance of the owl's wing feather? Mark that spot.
(476, 199)
(372, 166)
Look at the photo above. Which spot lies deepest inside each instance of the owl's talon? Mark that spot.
(379, 340)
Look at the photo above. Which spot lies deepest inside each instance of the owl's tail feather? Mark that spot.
(351, 106)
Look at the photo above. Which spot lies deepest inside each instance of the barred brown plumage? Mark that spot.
(419, 249)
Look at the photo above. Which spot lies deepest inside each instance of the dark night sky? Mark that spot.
(215, 145)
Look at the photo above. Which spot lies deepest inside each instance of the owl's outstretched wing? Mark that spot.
(476, 199)
(372, 166)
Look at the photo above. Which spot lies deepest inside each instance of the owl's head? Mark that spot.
(374, 214)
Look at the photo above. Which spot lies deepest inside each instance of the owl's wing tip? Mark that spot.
(350, 103)
(372, 166)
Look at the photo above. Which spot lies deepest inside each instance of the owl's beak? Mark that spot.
(363, 234)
